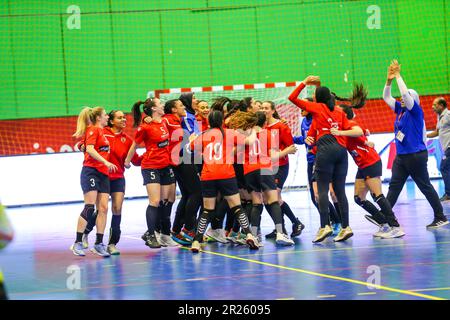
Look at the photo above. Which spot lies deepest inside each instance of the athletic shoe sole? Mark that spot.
(252, 244)
(100, 254)
(439, 226)
(77, 254)
(323, 237)
(348, 236)
(284, 243)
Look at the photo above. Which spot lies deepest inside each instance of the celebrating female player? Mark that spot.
(94, 176)
(217, 147)
(158, 176)
(331, 159)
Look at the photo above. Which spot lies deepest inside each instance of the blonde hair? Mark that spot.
(88, 116)
(243, 120)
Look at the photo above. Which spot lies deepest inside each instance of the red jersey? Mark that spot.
(363, 155)
(218, 154)
(312, 132)
(324, 117)
(257, 155)
(120, 144)
(156, 138)
(202, 123)
(281, 138)
(94, 136)
(173, 124)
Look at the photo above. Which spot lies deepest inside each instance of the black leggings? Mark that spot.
(334, 216)
(191, 197)
(414, 165)
(331, 166)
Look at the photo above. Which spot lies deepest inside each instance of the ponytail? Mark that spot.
(83, 122)
(137, 114)
(88, 116)
(136, 110)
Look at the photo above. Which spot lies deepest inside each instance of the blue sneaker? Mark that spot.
(77, 249)
(100, 249)
(336, 228)
(188, 235)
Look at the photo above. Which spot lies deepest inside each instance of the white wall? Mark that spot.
(47, 178)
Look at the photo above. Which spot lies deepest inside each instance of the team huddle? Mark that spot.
(230, 161)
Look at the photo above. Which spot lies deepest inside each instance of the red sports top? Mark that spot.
(173, 124)
(156, 138)
(120, 144)
(202, 123)
(257, 155)
(363, 155)
(285, 140)
(94, 136)
(312, 132)
(218, 154)
(325, 119)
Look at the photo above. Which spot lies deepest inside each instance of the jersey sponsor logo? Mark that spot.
(163, 144)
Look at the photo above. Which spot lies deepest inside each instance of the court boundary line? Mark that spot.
(323, 275)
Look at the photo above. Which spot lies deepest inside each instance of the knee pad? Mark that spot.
(358, 201)
(88, 212)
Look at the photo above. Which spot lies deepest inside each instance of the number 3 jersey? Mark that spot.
(155, 136)
(94, 136)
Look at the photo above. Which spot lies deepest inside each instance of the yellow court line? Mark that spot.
(406, 292)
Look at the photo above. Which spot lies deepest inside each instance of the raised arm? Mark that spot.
(302, 104)
(407, 99)
(387, 97)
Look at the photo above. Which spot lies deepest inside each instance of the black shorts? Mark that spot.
(227, 187)
(163, 176)
(93, 180)
(331, 157)
(117, 185)
(372, 171)
(281, 175)
(258, 181)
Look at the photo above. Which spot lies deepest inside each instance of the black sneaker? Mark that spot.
(372, 220)
(444, 198)
(271, 235)
(152, 242)
(145, 235)
(437, 223)
(297, 228)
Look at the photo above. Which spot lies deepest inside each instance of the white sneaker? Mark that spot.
(284, 240)
(383, 229)
(251, 242)
(167, 241)
(217, 234)
(85, 241)
(394, 232)
(158, 236)
(260, 239)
